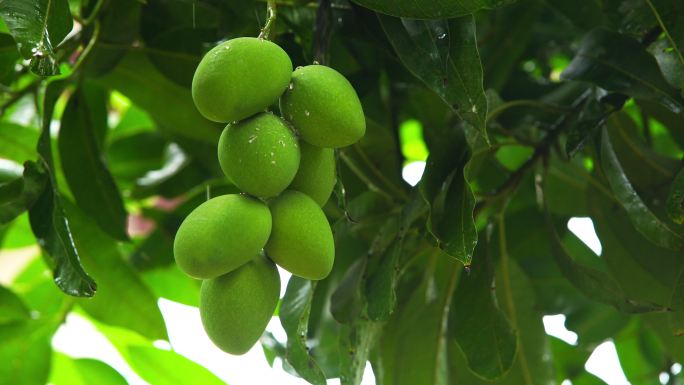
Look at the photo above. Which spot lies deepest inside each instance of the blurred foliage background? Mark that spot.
(527, 113)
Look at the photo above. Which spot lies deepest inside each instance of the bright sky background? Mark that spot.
(79, 338)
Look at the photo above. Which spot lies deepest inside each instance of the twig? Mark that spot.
(322, 32)
(86, 51)
(93, 14)
(378, 174)
(271, 16)
(16, 96)
(541, 151)
(525, 103)
(361, 175)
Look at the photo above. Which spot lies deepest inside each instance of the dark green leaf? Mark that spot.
(38, 26)
(479, 326)
(646, 272)
(596, 284)
(12, 308)
(20, 194)
(428, 9)
(444, 55)
(345, 302)
(8, 58)
(420, 351)
(533, 362)
(669, 51)
(294, 316)
(83, 164)
(451, 201)
(675, 200)
(48, 220)
(643, 219)
(591, 117)
(619, 63)
(118, 29)
(585, 14)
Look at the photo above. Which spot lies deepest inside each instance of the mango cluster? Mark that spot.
(285, 167)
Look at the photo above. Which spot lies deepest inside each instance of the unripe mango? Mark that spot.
(221, 235)
(301, 240)
(239, 78)
(260, 155)
(236, 307)
(316, 176)
(323, 107)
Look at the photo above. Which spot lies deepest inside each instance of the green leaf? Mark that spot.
(481, 329)
(25, 352)
(48, 220)
(594, 323)
(669, 52)
(515, 296)
(356, 341)
(675, 200)
(646, 272)
(38, 26)
(12, 308)
(83, 164)
(164, 367)
(20, 194)
(636, 348)
(585, 14)
(171, 283)
(122, 299)
(428, 9)
(8, 58)
(446, 191)
(18, 142)
(137, 78)
(590, 118)
(569, 362)
(619, 63)
(443, 54)
(420, 347)
(345, 303)
(294, 316)
(83, 371)
(643, 219)
(595, 284)
(119, 24)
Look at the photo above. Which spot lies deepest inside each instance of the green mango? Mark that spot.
(235, 308)
(324, 107)
(301, 240)
(317, 174)
(260, 155)
(240, 77)
(221, 235)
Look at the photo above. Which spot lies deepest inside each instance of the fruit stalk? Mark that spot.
(271, 16)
